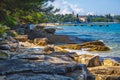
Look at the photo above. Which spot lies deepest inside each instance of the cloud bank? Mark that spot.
(66, 7)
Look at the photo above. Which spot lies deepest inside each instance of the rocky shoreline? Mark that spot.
(52, 61)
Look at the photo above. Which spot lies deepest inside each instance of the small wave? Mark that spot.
(79, 52)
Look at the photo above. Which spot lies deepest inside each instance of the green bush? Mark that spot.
(3, 29)
(10, 21)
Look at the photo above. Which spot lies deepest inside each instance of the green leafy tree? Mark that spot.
(23, 10)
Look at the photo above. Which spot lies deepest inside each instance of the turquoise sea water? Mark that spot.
(110, 36)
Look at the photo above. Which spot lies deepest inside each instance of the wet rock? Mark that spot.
(88, 60)
(4, 55)
(110, 62)
(22, 38)
(49, 30)
(41, 41)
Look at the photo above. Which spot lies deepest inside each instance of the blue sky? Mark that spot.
(83, 7)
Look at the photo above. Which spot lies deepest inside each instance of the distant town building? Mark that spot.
(73, 13)
(83, 18)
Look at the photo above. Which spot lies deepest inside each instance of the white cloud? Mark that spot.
(90, 13)
(66, 7)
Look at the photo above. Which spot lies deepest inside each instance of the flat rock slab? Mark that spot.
(55, 67)
(31, 76)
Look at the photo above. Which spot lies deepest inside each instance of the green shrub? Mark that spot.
(10, 21)
(3, 29)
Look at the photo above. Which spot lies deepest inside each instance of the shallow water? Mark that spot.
(110, 35)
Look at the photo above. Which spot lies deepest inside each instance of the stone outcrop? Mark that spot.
(9, 44)
(109, 70)
(51, 48)
(59, 49)
(4, 47)
(88, 60)
(4, 55)
(110, 62)
(41, 41)
(71, 46)
(43, 67)
(106, 73)
(35, 34)
(49, 30)
(22, 38)
(48, 50)
(89, 46)
(32, 76)
(99, 48)
(58, 39)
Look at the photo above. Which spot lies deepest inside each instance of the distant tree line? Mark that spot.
(60, 18)
(105, 18)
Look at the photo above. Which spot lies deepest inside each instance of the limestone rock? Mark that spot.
(35, 34)
(51, 66)
(58, 39)
(32, 76)
(90, 46)
(49, 30)
(48, 50)
(22, 38)
(72, 46)
(2, 77)
(4, 47)
(94, 43)
(29, 57)
(20, 31)
(99, 48)
(59, 49)
(4, 55)
(110, 62)
(107, 77)
(89, 60)
(41, 41)
(106, 72)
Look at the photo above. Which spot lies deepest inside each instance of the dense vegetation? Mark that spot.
(13, 12)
